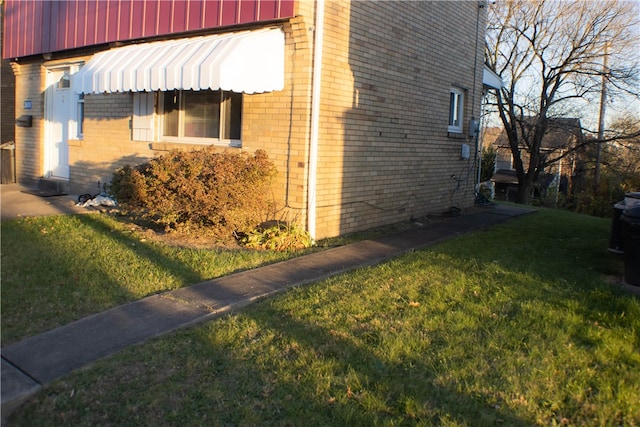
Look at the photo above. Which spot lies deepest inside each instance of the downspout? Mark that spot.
(474, 127)
(315, 118)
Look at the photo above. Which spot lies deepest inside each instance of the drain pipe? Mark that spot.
(315, 118)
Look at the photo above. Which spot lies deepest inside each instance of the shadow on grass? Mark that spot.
(47, 283)
(202, 372)
(35, 298)
(142, 249)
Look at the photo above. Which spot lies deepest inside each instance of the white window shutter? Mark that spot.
(142, 123)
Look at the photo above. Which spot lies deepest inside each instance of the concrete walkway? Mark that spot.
(29, 364)
(16, 203)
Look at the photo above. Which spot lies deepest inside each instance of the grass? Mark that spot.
(515, 325)
(62, 268)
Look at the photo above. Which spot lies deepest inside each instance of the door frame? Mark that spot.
(72, 123)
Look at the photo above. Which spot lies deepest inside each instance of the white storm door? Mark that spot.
(60, 106)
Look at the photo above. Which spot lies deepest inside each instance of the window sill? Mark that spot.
(456, 135)
(169, 146)
(75, 142)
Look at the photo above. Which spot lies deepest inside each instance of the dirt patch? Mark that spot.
(194, 240)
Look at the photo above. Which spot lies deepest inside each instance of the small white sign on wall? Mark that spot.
(465, 151)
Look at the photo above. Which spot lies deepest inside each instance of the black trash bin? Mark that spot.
(632, 199)
(631, 236)
(615, 240)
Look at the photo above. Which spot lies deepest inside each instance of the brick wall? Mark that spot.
(279, 122)
(106, 144)
(29, 150)
(384, 151)
(385, 154)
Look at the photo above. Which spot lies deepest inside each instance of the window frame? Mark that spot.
(80, 116)
(504, 159)
(223, 111)
(76, 117)
(456, 100)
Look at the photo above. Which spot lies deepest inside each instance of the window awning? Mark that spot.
(248, 61)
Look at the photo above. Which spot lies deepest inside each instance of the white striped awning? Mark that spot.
(247, 61)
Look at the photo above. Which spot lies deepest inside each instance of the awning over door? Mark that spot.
(248, 61)
(490, 79)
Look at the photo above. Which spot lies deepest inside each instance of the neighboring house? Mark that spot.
(563, 136)
(363, 106)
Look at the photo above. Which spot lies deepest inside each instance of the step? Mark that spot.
(57, 186)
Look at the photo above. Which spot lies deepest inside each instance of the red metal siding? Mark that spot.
(137, 19)
(32, 26)
(229, 12)
(248, 11)
(194, 15)
(89, 28)
(149, 12)
(112, 21)
(267, 8)
(29, 27)
(81, 11)
(164, 24)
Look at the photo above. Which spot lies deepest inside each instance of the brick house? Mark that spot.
(563, 139)
(363, 106)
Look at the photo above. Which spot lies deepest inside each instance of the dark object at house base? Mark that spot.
(615, 240)
(8, 165)
(631, 234)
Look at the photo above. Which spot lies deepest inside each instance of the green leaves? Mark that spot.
(280, 237)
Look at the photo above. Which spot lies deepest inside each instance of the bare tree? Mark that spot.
(551, 58)
(622, 156)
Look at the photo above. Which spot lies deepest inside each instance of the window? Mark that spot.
(504, 159)
(65, 81)
(456, 107)
(80, 116)
(202, 116)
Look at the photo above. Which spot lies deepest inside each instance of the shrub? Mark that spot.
(487, 189)
(217, 193)
(277, 237)
(488, 164)
(599, 203)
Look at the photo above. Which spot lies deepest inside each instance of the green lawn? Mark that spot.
(62, 268)
(515, 325)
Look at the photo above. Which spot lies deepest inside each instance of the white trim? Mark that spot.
(224, 142)
(315, 119)
(71, 124)
(459, 106)
(79, 131)
(490, 79)
(143, 116)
